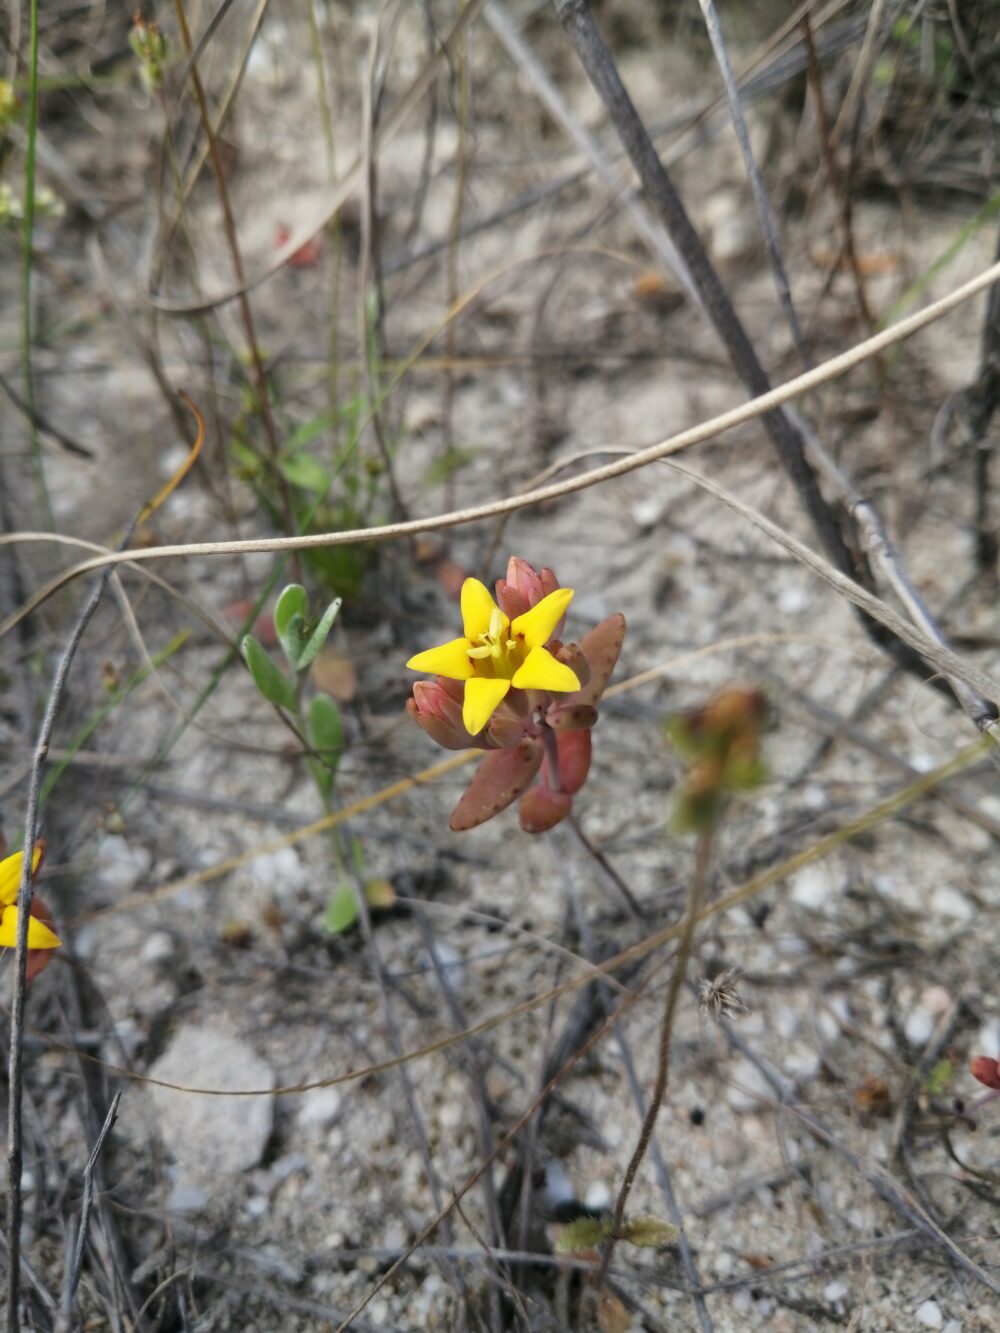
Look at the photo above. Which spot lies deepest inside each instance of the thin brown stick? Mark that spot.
(699, 879)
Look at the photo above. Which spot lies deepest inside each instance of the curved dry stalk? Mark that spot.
(962, 676)
(674, 444)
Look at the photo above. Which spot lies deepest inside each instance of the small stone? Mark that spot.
(212, 1136)
(814, 796)
(187, 1198)
(947, 901)
(288, 1165)
(792, 599)
(786, 1022)
(801, 1063)
(988, 1041)
(918, 1027)
(257, 1206)
(598, 1196)
(451, 962)
(929, 1314)
(836, 1291)
(647, 512)
(811, 888)
(936, 1000)
(157, 948)
(281, 871)
(319, 1109)
(747, 1086)
(120, 867)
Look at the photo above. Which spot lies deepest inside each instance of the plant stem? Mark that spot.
(26, 266)
(699, 879)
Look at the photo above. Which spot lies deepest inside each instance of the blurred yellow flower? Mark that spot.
(497, 654)
(39, 934)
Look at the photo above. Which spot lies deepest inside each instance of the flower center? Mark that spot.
(495, 647)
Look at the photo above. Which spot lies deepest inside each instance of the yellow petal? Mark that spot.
(451, 660)
(477, 608)
(10, 874)
(536, 625)
(541, 671)
(482, 695)
(39, 935)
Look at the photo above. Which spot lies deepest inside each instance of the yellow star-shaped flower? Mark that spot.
(39, 935)
(497, 654)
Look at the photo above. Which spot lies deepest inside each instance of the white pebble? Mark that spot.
(918, 1027)
(988, 1041)
(811, 888)
(947, 901)
(157, 948)
(792, 599)
(281, 871)
(120, 867)
(929, 1314)
(747, 1086)
(598, 1196)
(319, 1109)
(835, 1291)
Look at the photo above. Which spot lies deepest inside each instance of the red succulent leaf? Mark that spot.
(987, 1071)
(542, 809)
(574, 759)
(500, 778)
(571, 717)
(39, 959)
(600, 646)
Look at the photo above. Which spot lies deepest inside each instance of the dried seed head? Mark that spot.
(719, 998)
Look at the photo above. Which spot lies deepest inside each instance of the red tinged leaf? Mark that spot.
(39, 959)
(600, 646)
(571, 717)
(987, 1071)
(542, 809)
(500, 779)
(574, 759)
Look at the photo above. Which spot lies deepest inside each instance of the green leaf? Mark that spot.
(649, 1232)
(272, 682)
(308, 431)
(583, 1234)
(939, 1078)
(342, 912)
(326, 730)
(303, 471)
(447, 464)
(318, 636)
(290, 622)
(292, 602)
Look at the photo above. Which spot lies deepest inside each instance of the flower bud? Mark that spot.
(524, 587)
(436, 706)
(987, 1071)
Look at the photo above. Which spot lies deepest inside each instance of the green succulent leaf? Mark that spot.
(290, 622)
(342, 911)
(272, 682)
(318, 637)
